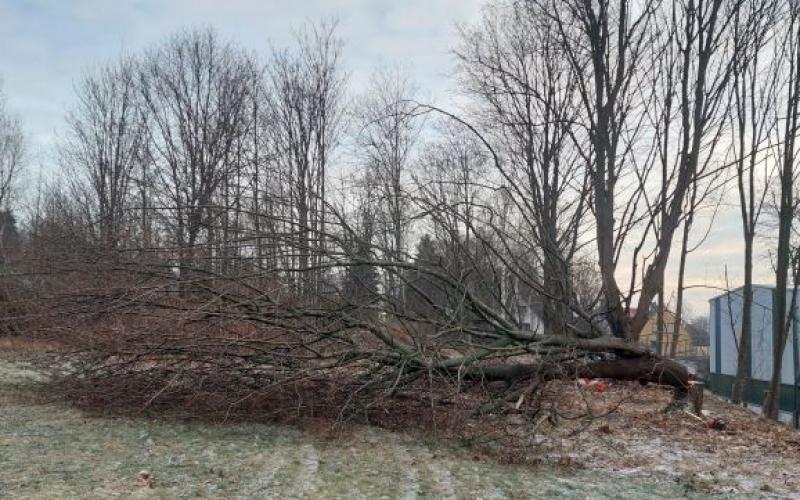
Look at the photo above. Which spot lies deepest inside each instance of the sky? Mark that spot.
(46, 45)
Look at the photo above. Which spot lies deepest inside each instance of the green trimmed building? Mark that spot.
(725, 326)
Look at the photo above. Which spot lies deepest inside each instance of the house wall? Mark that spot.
(649, 335)
(761, 348)
(789, 369)
(724, 333)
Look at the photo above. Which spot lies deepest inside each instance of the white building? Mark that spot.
(725, 327)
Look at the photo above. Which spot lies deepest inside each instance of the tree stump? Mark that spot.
(696, 397)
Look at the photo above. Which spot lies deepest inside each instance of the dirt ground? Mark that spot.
(751, 457)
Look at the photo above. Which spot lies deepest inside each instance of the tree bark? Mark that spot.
(785, 216)
(660, 323)
(743, 357)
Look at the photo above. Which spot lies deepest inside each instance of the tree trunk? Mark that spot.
(660, 326)
(687, 226)
(555, 311)
(743, 358)
(623, 361)
(785, 216)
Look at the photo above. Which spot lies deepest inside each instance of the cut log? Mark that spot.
(621, 361)
(649, 368)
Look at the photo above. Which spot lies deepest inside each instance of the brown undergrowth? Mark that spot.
(478, 414)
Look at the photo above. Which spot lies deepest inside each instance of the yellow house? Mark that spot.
(649, 335)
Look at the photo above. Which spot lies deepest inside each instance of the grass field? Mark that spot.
(54, 451)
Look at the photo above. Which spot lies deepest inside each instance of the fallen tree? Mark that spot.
(606, 357)
(145, 352)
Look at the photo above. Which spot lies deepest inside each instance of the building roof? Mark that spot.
(737, 289)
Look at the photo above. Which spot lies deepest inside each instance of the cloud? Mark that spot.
(47, 44)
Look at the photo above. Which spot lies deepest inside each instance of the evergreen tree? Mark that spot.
(9, 235)
(360, 285)
(426, 295)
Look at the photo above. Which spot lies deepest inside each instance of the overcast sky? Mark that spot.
(45, 45)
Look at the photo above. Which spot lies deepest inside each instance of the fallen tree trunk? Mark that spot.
(618, 360)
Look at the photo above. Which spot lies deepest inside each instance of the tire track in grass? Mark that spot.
(409, 487)
(409, 475)
(480, 481)
(307, 473)
(292, 476)
(443, 480)
(371, 464)
(443, 485)
(262, 485)
(484, 486)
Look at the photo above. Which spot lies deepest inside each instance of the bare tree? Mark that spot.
(197, 94)
(385, 140)
(107, 143)
(606, 47)
(755, 90)
(360, 282)
(304, 93)
(786, 204)
(617, 50)
(527, 104)
(451, 172)
(12, 149)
